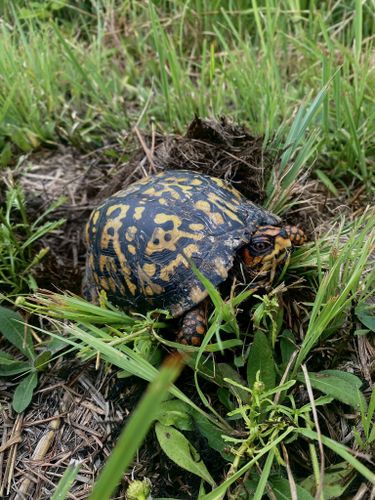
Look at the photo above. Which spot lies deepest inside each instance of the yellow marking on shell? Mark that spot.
(219, 182)
(144, 181)
(161, 218)
(166, 271)
(164, 189)
(130, 233)
(114, 224)
(95, 216)
(138, 213)
(225, 206)
(196, 182)
(167, 189)
(102, 263)
(178, 182)
(163, 201)
(132, 249)
(123, 209)
(104, 283)
(203, 205)
(87, 234)
(189, 250)
(196, 227)
(132, 287)
(126, 273)
(235, 192)
(175, 180)
(197, 295)
(112, 284)
(147, 285)
(153, 289)
(216, 218)
(175, 235)
(149, 269)
(220, 268)
(91, 260)
(222, 184)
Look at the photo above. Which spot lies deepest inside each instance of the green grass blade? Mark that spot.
(65, 483)
(340, 450)
(136, 429)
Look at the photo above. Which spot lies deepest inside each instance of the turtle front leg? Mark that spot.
(194, 326)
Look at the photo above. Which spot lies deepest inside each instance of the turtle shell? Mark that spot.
(142, 240)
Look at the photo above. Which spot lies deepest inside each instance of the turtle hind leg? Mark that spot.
(194, 326)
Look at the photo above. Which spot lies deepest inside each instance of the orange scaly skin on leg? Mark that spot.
(194, 326)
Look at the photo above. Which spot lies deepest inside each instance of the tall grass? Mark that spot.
(257, 62)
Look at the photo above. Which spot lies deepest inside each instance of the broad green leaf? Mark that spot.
(365, 317)
(13, 329)
(287, 345)
(281, 490)
(213, 434)
(261, 359)
(225, 371)
(336, 481)
(179, 450)
(175, 412)
(342, 386)
(24, 393)
(41, 361)
(11, 366)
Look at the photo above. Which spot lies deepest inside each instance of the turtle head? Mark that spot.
(270, 246)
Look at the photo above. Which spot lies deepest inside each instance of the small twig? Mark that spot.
(142, 113)
(146, 149)
(362, 492)
(316, 421)
(16, 431)
(292, 483)
(285, 375)
(3, 441)
(13, 440)
(44, 420)
(39, 453)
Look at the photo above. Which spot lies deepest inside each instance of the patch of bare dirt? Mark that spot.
(76, 416)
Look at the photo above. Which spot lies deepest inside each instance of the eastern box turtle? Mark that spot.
(141, 242)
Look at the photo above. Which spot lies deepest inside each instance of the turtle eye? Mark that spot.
(260, 247)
